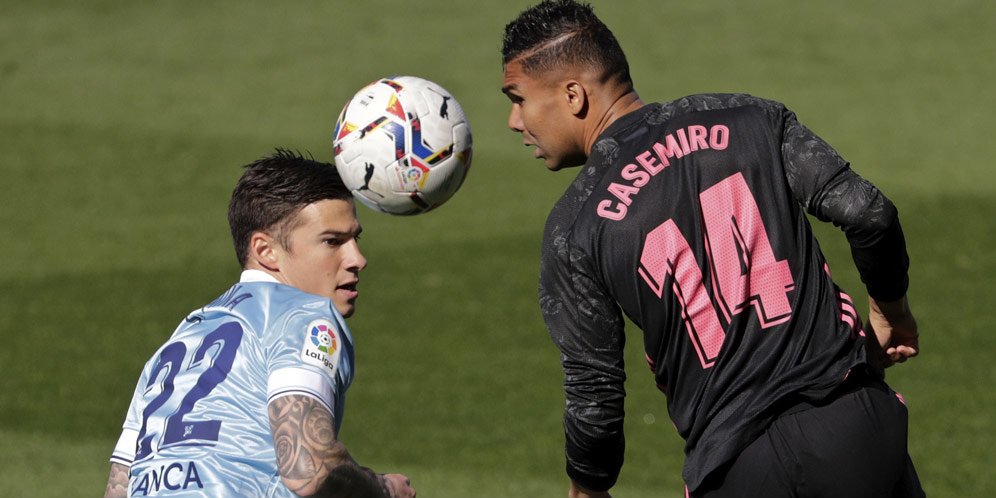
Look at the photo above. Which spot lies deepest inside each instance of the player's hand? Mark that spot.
(398, 486)
(578, 491)
(893, 325)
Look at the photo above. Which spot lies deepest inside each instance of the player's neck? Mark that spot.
(272, 273)
(624, 104)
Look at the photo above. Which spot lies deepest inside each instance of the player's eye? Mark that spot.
(513, 98)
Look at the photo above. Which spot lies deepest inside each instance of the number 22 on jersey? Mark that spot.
(213, 358)
(744, 270)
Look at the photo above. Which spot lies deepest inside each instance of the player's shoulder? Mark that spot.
(563, 216)
(303, 326)
(266, 306)
(740, 109)
(278, 297)
(603, 159)
(664, 112)
(715, 101)
(290, 304)
(565, 237)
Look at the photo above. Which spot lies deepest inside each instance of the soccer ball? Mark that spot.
(402, 145)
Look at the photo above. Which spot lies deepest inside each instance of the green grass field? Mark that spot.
(123, 126)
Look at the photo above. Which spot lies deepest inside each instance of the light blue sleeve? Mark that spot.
(309, 352)
(124, 450)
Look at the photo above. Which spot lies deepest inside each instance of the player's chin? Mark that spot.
(346, 305)
(346, 310)
(551, 163)
(557, 164)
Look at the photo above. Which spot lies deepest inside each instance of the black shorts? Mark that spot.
(852, 444)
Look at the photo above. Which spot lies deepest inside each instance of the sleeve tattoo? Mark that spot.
(311, 461)
(117, 482)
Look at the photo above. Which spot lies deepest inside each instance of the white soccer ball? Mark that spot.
(402, 145)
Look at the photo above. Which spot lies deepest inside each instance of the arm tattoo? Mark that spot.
(117, 482)
(309, 458)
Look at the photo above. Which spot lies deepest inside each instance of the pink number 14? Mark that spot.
(741, 262)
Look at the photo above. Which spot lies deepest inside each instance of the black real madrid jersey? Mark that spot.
(690, 218)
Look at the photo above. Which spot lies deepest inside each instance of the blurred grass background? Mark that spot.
(123, 126)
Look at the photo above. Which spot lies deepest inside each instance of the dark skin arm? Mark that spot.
(894, 326)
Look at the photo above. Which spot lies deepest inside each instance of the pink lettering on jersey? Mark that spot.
(613, 211)
(697, 137)
(719, 137)
(649, 163)
(639, 178)
(623, 192)
(740, 260)
(683, 140)
(671, 148)
(666, 252)
(744, 263)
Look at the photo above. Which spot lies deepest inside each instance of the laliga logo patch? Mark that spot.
(321, 345)
(323, 337)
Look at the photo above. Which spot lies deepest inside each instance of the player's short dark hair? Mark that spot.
(560, 33)
(272, 190)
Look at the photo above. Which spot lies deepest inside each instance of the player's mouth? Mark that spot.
(348, 289)
(537, 152)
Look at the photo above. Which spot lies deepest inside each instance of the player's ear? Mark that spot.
(577, 97)
(264, 250)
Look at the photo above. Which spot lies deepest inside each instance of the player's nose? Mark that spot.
(355, 261)
(515, 120)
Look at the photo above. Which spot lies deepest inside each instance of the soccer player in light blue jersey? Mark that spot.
(246, 397)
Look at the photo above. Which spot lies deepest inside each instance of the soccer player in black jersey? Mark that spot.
(690, 218)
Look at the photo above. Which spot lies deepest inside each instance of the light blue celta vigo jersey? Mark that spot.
(198, 423)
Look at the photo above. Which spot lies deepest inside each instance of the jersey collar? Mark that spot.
(257, 276)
